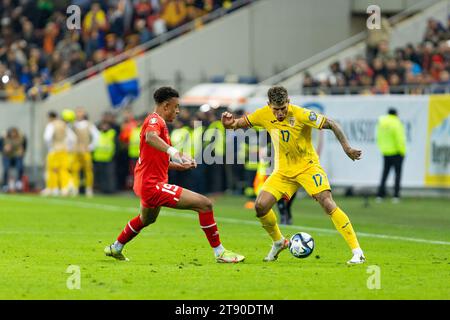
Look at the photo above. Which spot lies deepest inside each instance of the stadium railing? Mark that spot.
(426, 89)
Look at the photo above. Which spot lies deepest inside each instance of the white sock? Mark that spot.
(118, 245)
(218, 250)
(357, 251)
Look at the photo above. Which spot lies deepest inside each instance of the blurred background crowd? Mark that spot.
(410, 69)
(37, 50)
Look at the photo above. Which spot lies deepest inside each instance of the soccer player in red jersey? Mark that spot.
(151, 181)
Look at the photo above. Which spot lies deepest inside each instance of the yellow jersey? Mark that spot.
(291, 138)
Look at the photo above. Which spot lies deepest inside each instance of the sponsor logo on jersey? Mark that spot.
(292, 121)
(312, 116)
(153, 120)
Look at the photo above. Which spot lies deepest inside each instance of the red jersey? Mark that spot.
(153, 165)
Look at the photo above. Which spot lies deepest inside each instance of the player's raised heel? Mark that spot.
(228, 256)
(111, 251)
(357, 259)
(275, 250)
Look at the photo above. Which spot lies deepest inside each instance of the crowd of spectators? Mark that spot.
(38, 50)
(413, 69)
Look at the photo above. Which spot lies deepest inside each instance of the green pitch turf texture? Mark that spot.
(171, 259)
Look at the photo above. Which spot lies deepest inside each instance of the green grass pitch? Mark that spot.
(171, 259)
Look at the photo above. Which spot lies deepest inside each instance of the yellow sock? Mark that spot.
(51, 172)
(269, 223)
(344, 226)
(89, 176)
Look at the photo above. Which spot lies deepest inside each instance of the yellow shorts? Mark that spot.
(314, 180)
(81, 160)
(57, 160)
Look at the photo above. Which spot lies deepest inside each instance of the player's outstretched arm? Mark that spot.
(229, 122)
(353, 154)
(152, 138)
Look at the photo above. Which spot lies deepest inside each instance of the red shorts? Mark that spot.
(161, 195)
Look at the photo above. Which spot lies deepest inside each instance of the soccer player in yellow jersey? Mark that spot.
(296, 164)
(87, 139)
(59, 139)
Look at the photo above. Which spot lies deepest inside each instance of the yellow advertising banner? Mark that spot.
(437, 170)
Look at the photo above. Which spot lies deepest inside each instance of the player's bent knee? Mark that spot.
(326, 201)
(148, 217)
(205, 205)
(261, 208)
(329, 205)
(148, 220)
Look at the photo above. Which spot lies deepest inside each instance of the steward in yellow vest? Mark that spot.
(105, 178)
(106, 147)
(391, 140)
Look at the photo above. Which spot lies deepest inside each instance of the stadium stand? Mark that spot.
(416, 68)
(37, 49)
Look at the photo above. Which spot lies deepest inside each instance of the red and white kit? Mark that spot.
(151, 171)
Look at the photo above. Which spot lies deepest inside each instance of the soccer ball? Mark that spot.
(301, 245)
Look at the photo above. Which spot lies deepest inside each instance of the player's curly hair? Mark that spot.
(165, 93)
(277, 95)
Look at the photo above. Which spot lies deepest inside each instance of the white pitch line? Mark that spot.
(173, 213)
